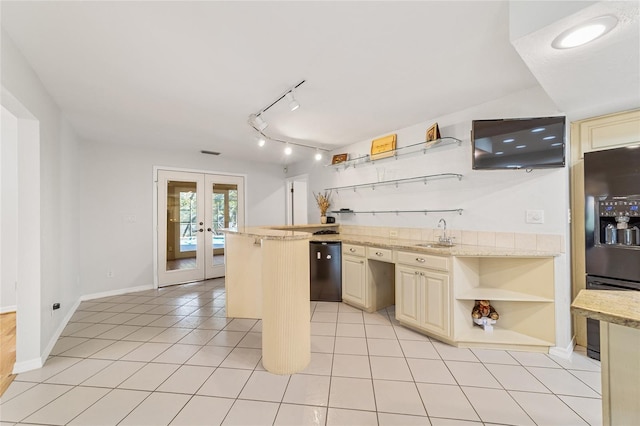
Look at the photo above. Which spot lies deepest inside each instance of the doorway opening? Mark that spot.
(193, 208)
(296, 200)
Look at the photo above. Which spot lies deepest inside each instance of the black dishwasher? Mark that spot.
(325, 266)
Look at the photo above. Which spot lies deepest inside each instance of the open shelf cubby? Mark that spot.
(522, 291)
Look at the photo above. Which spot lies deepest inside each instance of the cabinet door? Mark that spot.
(407, 297)
(434, 290)
(353, 280)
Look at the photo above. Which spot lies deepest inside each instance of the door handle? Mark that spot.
(209, 229)
(200, 230)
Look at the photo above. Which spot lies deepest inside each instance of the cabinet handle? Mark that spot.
(352, 250)
(361, 262)
(419, 259)
(379, 253)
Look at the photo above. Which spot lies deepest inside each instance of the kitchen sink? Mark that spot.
(436, 245)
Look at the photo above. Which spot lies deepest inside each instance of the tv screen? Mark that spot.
(518, 143)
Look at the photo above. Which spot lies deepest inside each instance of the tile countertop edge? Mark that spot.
(269, 233)
(616, 307)
(459, 250)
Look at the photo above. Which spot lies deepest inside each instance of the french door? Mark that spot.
(193, 208)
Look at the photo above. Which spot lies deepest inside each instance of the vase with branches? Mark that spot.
(323, 199)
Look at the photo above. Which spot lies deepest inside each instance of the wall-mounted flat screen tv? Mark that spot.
(518, 143)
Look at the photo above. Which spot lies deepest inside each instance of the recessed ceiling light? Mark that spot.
(539, 129)
(261, 141)
(548, 138)
(508, 140)
(318, 156)
(520, 146)
(287, 150)
(585, 32)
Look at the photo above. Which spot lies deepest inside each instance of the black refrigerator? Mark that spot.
(612, 226)
(325, 266)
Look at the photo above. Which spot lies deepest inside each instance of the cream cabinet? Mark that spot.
(423, 295)
(354, 289)
(354, 275)
(607, 131)
(367, 277)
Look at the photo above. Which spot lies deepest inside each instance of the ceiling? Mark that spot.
(188, 74)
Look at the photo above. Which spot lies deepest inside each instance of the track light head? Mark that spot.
(293, 104)
(260, 123)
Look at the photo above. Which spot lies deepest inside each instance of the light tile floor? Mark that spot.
(170, 356)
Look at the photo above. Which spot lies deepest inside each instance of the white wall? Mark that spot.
(8, 211)
(117, 181)
(47, 172)
(493, 200)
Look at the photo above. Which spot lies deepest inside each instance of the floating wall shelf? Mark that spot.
(374, 212)
(397, 182)
(416, 148)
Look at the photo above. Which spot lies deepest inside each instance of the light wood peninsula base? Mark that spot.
(267, 277)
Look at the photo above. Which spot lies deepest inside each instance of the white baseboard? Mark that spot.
(116, 292)
(564, 352)
(7, 309)
(32, 364)
(58, 332)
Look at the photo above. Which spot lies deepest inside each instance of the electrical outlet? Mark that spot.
(535, 216)
(130, 219)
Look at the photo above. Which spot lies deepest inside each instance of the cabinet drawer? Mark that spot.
(384, 255)
(353, 250)
(423, 260)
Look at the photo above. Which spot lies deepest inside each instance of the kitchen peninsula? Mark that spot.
(619, 316)
(433, 287)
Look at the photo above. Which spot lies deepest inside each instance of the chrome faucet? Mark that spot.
(443, 238)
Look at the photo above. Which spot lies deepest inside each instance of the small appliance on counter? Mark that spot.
(325, 267)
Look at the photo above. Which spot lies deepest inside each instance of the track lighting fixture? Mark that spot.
(258, 123)
(293, 104)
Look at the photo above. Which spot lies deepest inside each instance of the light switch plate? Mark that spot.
(535, 216)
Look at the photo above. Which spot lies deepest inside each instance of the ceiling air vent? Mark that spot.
(209, 152)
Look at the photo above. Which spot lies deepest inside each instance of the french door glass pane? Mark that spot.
(182, 225)
(224, 214)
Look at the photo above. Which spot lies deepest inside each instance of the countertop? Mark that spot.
(616, 307)
(460, 250)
